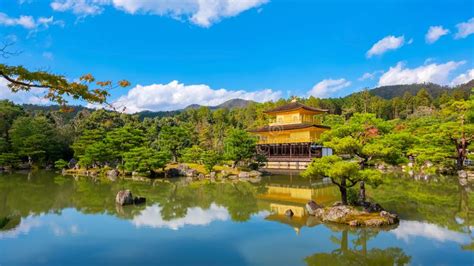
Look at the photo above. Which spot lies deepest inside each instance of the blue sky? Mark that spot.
(195, 51)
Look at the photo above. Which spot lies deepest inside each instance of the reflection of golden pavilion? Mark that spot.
(280, 198)
(289, 141)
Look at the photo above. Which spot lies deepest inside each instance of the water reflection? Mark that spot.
(152, 216)
(47, 206)
(355, 252)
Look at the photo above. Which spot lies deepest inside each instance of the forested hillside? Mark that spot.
(422, 125)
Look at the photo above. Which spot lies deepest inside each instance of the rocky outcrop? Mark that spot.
(349, 215)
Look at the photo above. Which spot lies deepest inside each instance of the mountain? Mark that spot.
(435, 90)
(230, 104)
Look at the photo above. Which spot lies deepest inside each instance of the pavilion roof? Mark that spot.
(295, 106)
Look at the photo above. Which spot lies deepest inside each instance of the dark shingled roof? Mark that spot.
(294, 106)
(277, 128)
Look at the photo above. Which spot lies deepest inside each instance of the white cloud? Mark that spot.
(34, 96)
(434, 33)
(151, 217)
(328, 86)
(435, 73)
(386, 44)
(369, 75)
(28, 22)
(413, 229)
(175, 95)
(463, 78)
(79, 7)
(200, 12)
(465, 29)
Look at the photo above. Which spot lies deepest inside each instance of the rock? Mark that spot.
(173, 172)
(139, 200)
(191, 172)
(354, 223)
(189, 179)
(338, 213)
(391, 218)
(372, 207)
(124, 197)
(311, 207)
(233, 177)
(135, 173)
(64, 171)
(244, 175)
(255, 173)
(212, 175)
(374, 222)
(462, 174)
(410, 164)
(289, 213)
(255, 179)
(337, 203)
(224, 173)
(112, 173)
(463, 182)
(201, 177)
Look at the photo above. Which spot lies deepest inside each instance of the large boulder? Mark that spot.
(338, 214)
(124, 197)
(312, 207)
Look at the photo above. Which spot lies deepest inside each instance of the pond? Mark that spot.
(46, 218)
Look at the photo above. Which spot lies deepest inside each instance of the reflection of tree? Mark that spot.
(433, 202)
(46, 192)
(358, 255)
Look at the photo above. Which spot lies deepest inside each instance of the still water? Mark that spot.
(49, 219)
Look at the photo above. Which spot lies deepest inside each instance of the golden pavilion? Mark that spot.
(290, 141)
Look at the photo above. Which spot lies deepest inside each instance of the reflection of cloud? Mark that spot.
(151, 217)
(23, 229)
(411, 229)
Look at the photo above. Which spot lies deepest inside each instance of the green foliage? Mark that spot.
(35, 138)
(343, 173)
(174, 139)
(145, 160)
(352, 196)
(210, 159)
(192, 154)
(60, 164)
(9, 159)
(239, 146)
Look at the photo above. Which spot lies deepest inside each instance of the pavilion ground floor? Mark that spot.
(291, 156)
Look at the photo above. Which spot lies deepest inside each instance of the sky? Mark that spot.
(181, 52)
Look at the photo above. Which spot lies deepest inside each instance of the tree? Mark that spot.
(344, 174)
(192, 154)
(239, 146)
(57, 88)
(121, 140)
(96, 154)
(174, 139)
(60, 164)
(34, 138)
(9, 160)
(359, 137)
(143, 159)
(210, 159)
